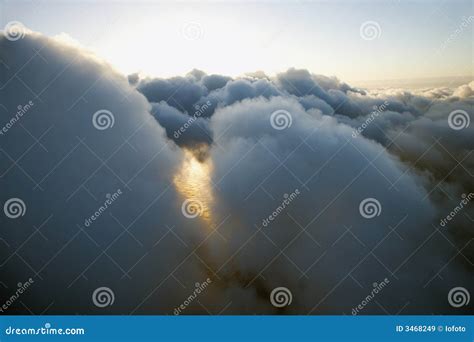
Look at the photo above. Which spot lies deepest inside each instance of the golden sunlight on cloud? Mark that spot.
(193, 183)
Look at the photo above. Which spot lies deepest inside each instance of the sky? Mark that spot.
(164, 39)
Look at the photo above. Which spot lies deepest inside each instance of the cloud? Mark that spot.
(259, 141)
(185, 130)
(334, 173)
(65, 163)
(182, 90)
(416, 178)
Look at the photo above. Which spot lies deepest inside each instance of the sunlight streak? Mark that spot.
(193, 182)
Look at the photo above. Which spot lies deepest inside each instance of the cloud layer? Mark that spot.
(239, 148)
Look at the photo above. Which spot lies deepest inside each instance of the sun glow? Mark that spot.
(193, 182)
